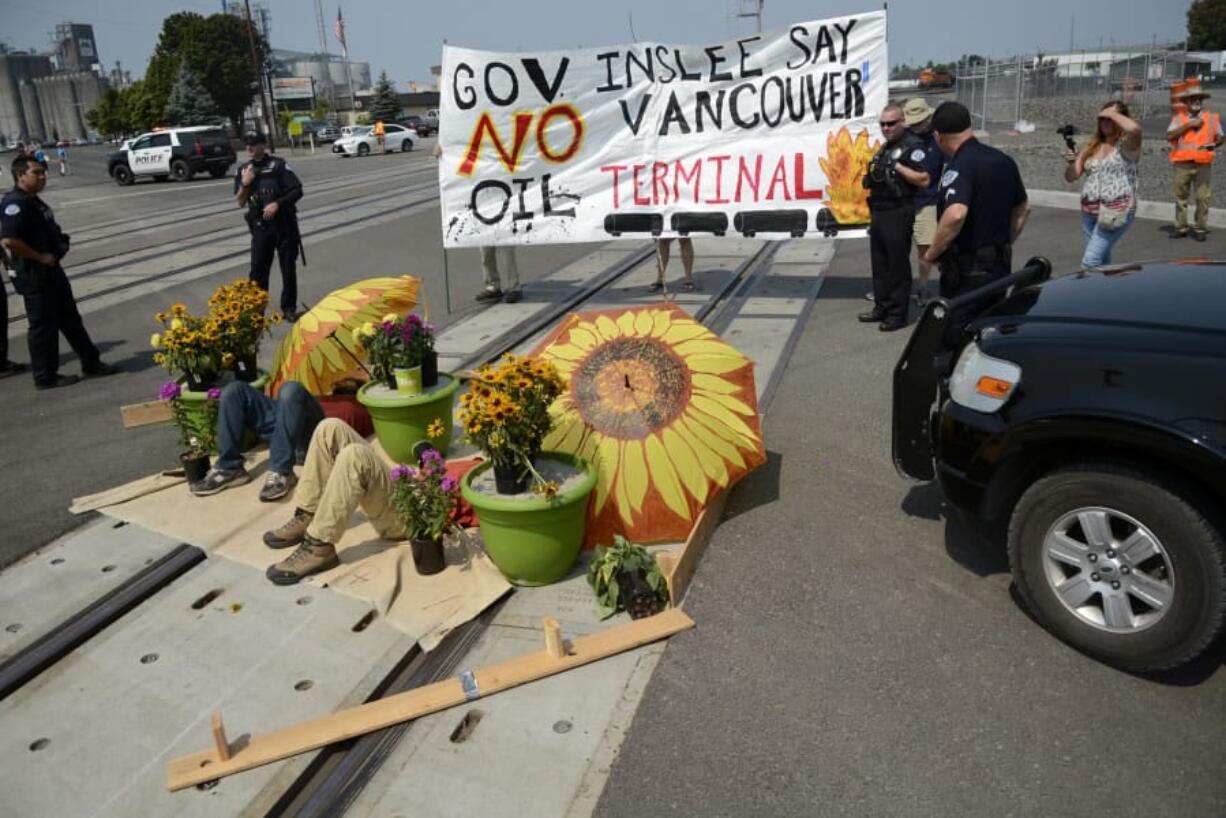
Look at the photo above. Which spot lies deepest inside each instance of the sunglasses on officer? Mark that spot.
(889, 123)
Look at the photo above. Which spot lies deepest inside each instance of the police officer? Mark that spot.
(893, 176)
(981, 206)
(268, 188)
(35, 246)
(918, 115)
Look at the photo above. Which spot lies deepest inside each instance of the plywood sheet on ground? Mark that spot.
(231, 524)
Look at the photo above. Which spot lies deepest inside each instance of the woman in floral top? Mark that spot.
(1109, 193)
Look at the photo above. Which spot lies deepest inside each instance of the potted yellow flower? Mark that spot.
(238, 310)
(534, 537)
(188, 346)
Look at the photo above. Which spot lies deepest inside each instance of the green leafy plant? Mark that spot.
(624, 576)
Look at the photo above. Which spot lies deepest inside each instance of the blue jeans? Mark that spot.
(286, 423)
(1098, 241)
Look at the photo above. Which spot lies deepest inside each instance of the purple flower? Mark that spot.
(400, 472)
(448, 485)
(413, 320)
(169, 391)
(213, 394)
(431, 456)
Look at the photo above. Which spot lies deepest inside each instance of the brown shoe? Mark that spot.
(311, 557)
(291, 533)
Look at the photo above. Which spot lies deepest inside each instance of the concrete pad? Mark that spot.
(529, 754)
(57, 581)
(113, 713)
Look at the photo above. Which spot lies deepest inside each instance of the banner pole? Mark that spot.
(446, 280)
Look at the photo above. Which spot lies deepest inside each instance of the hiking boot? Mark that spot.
(312, 557)
(488, 296)
(276, 486)
(219, 479)
(290, 533)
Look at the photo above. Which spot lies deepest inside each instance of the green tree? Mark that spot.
(189, 102)
(218, 50)
(1207, 25)
(385, 102)
(139, 107)
(108, 117)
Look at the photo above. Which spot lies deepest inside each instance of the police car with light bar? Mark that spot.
(173, 153)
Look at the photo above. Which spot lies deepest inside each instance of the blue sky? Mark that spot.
(405, 36)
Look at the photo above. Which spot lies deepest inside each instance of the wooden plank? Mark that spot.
(678, 568)
(204, 766)
(219, 737)
(144, 414)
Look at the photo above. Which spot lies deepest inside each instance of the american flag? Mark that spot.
(340, 27)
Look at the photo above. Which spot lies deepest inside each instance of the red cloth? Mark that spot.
(464, 517)
(347, 408)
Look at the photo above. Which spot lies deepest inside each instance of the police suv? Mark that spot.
(178, 153)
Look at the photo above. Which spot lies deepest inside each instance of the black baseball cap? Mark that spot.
(951, 117)
(255, 138)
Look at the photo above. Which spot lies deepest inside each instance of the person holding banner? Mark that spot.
(493, 291)
(894, 175)
(687, 263)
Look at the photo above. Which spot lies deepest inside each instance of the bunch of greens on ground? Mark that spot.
(625, 577)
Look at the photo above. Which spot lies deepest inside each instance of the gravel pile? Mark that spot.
(1038, 156)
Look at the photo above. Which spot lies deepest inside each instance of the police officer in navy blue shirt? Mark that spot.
(892, 180)
(270, 191)
(981, 206)
(35, 245)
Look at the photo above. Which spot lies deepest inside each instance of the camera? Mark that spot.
(1067, 132)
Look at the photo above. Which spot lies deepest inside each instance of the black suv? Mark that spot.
(1088, 412)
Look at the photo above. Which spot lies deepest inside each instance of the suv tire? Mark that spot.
(1176, 558)
(181, 171)
(122, 175)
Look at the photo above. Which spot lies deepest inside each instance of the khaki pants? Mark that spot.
(491, 257)
(1191, 175)
(342, 472)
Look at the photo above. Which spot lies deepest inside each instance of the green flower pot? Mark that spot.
(401, 420)
(193, 405)
(533, 541)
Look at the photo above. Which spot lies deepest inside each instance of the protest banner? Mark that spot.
(765, 134)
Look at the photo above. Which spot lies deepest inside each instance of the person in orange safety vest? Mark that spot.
(379, 136)
(1194, 134)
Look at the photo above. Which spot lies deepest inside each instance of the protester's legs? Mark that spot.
(663, 250)
(287, 258)
(687, 257)
(297, 414)
(489, 268)
(1204, 193)
(330, 436)
(241, 407)
(1184, 172)
(358, 477)
(509, 266)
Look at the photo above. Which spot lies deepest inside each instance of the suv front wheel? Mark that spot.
(122, 175)
(1119, 566)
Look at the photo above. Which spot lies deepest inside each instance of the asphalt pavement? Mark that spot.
(859, 653)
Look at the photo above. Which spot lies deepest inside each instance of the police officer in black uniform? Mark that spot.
(270, 191)
(35, 245)
(894, 175)
(981, 206)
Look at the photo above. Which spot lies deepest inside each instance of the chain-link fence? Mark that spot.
(1055, 89)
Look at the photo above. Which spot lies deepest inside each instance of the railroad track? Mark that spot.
(335, 776)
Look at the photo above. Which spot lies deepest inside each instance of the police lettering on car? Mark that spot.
(981, 205)
(268, 188)
(34, 245)
(893, 176)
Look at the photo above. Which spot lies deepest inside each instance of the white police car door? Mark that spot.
(150, 155)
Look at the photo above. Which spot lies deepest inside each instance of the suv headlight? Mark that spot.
(981, 382)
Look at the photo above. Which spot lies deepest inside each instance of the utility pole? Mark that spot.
(270, 127)
(325, 57)
(748, 10)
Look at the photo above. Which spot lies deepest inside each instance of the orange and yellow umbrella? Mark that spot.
(665, 409)
(320, 349)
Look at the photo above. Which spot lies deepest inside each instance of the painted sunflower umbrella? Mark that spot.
(665, 409)
(320, 349)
